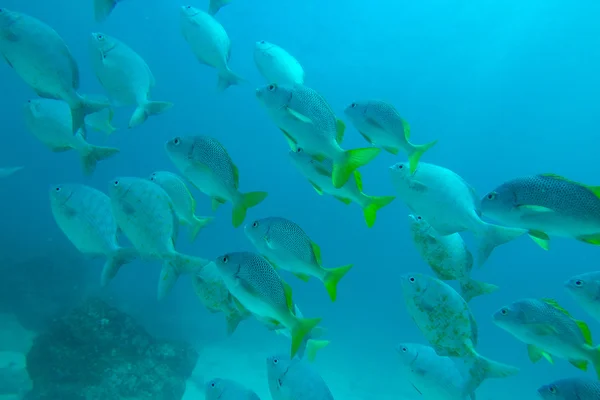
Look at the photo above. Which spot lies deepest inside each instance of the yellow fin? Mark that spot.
(540, 238)
(275, 266)
(358, 179)
(236, 175)
(340, 127)
(590, 239)
(536, 354)
(580, 364)
(343, 200)
(406, 128)
(293, 143)
(299, 116)
(555, 304)
(317, 188)
(312, 346)
(317, 252)
(287, 289)
(303, 277)
(585, 331)
(216, 202)
(392, 150)
(595, 190)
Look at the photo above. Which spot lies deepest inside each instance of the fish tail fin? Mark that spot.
(175, 265)
(83, 107)
(241, 206)
(374, 204)
(216, 5)
(103, 8)
(417, 152)
(90, 155)
(493, 236)
(312, 346)
(483, 368)
(595, 358)
(120, 257)
(301, 329)
(233, 320)
(198, 223)
(352, 160)
(147, 109)
(333, 277)
(228, 78)
(470, 288)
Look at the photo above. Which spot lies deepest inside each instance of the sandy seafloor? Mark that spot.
(352, 375)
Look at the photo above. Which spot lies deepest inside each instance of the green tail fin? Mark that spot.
(375, 204)
(470, 288)
(90, 155)
(247, 201)
(198, 223)
(312, 346)
(353, 159)
(302, 328)
(594, 358)
(333, 277)
(417, 151)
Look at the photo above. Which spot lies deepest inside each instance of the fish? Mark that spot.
(84, 215)
(319, 175)
(549, 205)
(49, 121)
(294, 379)
(449, 204)
(210, 44)
(101, 121)
(145, 214)
(585, 288)
(571, 389)
(215, 5)
(276, 65)
(5, 172)
(549, 330)
(213, 293)
(287, 246)
(307, 121)
(433, 376)
(125, 76)
(381, 125)
(311, 343)
(227, 389)
(448, 257)
(205, 162)
(43, 61)
(257, 286)
(103, 9)
(446, 321)
(183, 201)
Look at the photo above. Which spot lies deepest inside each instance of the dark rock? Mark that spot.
(97, 352)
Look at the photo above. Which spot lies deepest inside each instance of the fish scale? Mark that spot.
(571, 389)
(209, 151)
(291, 237)
(262, 277)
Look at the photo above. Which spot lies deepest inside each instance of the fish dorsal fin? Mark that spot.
(585, 331)
(287, 289)
(554, 303)
(316, 251)
(358, 179)
(593, 189)
(406, 128)
(555, 176)
(236, 175)
(340, 128)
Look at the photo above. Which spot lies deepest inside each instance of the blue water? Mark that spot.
(509, 88)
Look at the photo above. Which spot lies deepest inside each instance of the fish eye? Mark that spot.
(271, 88)
(255, 224)
(275, 360)
(299, 150)
(491, 196)
(116, 183)
(262, 42)
(224, 259)
(57, 189)
(212, 384)
(176, 141)
(404, 349)
(419, 218)
(412, 279)
(504, 311)
(188, 7)
(100, 37)
(353, 105)
(552, 389)
(400, 166)
(578, 282)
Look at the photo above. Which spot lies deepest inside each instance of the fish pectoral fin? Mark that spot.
(417, 186)
(536, 354)
(216, 202)
(533, 209)
(299, 116)
(343, 200)
(540, 238)
(323, 171)
(590, 239)
(543, 329)
(374, 123)
(317, 188)
(580, 364)
(419, 371)
(367, 138)
(418, 391)
(303, 277)
(8, 62)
